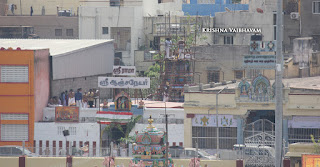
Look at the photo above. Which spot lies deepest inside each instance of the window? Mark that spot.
(316, 7)
(72, 130)
(58, 32)
(274, 32)
(14, 116)
(14, 132)
(70, 32)
(238, 74)
(214, 76)
(228, 40)
(60, 130)
(105, 30)
(14, 74)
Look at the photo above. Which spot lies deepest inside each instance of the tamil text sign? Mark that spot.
(310, 160)
(124, 82)
(124, 70)
(67, 114)
(259, 61)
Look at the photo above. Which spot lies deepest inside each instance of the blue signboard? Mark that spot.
(259, 61)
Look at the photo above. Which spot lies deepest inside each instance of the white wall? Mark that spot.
(84, 132)
(92, 19)
(265, 5)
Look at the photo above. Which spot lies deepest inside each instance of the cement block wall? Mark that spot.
(86, 83)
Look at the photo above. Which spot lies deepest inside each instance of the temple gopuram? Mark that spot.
(149, 149)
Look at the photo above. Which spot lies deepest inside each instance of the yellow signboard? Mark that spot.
(310, 160)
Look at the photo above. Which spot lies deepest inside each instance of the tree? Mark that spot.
(316, 144)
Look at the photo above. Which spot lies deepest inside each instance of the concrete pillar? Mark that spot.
(51, 148)
(239, 131)
(64, 148)
(188, 132)
(98, 148)
(90, 148)
(285, 130)
(37, 147)
(130, 150)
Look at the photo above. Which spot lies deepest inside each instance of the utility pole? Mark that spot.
(165, 110)
(279, 94)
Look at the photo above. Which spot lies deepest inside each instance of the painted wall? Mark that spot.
(41, 82)
(19, 95)
(195, 8)
(50, 6)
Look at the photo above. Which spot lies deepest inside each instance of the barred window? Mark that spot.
(238, 74)
(14, 116)
(214, 76)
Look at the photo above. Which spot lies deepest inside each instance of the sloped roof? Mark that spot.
(56, 46)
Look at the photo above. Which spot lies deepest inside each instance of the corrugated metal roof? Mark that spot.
(56, 46)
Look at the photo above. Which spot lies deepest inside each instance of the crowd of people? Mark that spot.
(79, 99)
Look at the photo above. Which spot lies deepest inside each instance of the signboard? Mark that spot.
(310, 160)
(124, 70)
(124, 82)
(210, 120)
(262, 46)
(259, 61)
(67, 114)
(304, 122)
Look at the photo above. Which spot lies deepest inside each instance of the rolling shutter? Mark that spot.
(14, 132)
(14, 74)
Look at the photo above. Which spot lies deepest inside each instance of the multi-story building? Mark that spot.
(24, 92)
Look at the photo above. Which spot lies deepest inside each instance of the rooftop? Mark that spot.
(312, 83)
(55, 46)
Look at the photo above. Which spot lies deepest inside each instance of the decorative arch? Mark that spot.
(260, 85)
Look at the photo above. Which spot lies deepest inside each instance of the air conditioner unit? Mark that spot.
(294, 15)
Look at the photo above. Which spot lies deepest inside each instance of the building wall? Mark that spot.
(194, 8)
(86, 83)
(41, 82)
(45, 26)
(140, 63)
(49, 6)
(52, 131)
(90, 61)
(3, 6)
(92, 19)
(19, 98)
(244, 20)
(223, 58)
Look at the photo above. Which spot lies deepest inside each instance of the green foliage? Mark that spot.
(316, 144)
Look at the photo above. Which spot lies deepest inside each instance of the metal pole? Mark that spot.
(20, 8)
(165, 110)
(279, 101)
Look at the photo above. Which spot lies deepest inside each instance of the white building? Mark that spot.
(123, 23)
(49, 134)
(261, 15)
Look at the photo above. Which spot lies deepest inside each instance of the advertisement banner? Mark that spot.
(304, 122)
(124, 82)
(210, 120)
(124, 70)
(310, 160)
(259, 61)
(67, 114)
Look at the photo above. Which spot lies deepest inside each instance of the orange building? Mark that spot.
(24, 92)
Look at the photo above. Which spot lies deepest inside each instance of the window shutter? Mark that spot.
(14, 132)
(14, 116)
(14, 74)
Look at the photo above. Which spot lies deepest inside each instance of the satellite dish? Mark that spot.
(259, 10)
